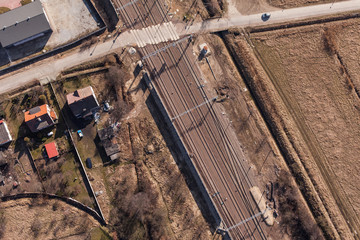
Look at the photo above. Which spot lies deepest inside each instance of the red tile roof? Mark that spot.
(51, 150)
(35, 112)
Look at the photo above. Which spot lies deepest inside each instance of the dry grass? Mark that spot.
(296, 3)
(37, 219)
(317, 92)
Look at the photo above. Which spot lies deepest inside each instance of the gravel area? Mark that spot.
(69, 19)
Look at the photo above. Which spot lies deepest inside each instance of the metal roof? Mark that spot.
(22, 22)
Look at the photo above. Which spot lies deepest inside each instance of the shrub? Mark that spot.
(4, 10)
(42, 99)
(2, 113)
(330, 41)
(24, 2)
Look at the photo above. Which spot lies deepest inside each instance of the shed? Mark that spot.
(51, 150)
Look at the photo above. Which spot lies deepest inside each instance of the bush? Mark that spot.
(24, 2)
(4, 10)
(2, 113)
(42, 99)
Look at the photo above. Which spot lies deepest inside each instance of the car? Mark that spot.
(106, 106)
(88, 163)
(80, 134)
(265, 16)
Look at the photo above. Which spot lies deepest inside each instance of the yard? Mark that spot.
(60, 176)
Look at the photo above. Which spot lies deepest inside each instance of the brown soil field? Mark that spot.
(44, 219)
(306, 81)
(297, 3)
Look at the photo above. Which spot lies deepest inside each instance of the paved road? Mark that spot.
(276, 17)
(52, 66)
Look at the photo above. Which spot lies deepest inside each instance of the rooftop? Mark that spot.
(36, 112)
(51, 150)
(22, 22)
(5, 136)
(79, 94)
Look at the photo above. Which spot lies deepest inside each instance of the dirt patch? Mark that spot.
(68, 20)
(245, 7)
(44, 219)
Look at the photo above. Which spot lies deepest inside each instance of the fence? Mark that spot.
(67, 200)
(82, 168)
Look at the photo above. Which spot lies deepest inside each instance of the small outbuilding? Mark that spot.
(5, 136)
(51, 150)
(83, 102)
(109, 142)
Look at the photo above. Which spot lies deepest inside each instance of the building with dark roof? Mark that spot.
(5, 136)
(109, 142)
(83, 102)
(39, 118)
(22, 25)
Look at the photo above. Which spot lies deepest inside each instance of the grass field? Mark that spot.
(315, 71)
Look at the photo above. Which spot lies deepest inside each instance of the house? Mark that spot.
(51, 150)
(5, 136)
(83, 102)
(39, 118)
(22, 25)
(109, 142)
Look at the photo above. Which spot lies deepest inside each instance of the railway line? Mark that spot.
(213, 147)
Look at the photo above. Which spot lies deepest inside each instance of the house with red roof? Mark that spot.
(5, 136)
(51, 150)
(40, 117)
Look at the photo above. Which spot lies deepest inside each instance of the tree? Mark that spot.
(42, 99)
(121, 108)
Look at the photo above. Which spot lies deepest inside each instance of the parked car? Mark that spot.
(265, 16)
(106, 106)
(80, 134)
(88, 163)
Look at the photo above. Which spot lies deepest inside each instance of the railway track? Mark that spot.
(218, 160)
